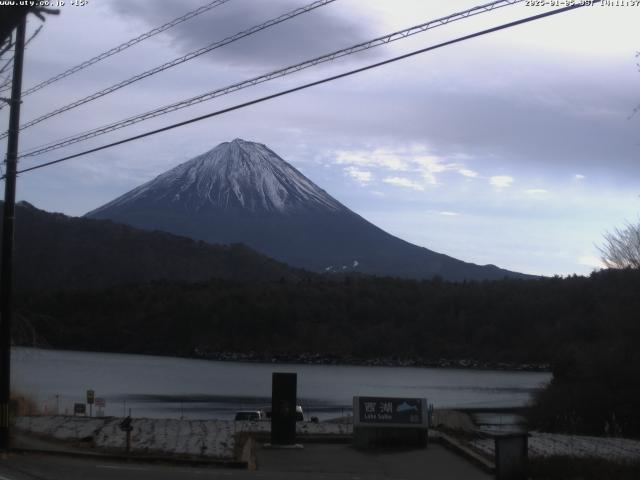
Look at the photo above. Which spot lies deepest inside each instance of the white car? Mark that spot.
(266, 413)
(248, 416)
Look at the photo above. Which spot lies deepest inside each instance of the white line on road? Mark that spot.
(118, 467)
(5, 478)
(208, 472)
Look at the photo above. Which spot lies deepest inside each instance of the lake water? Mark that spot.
(164, 387)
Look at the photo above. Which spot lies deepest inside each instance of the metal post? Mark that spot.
(6, 274)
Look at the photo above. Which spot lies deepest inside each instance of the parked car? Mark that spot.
(248, 416)
(266, 413)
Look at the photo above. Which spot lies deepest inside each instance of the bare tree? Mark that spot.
(621, 248)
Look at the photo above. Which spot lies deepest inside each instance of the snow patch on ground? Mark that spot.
(553, 444)
(210, 438)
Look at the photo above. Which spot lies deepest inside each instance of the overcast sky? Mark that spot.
(518, 148)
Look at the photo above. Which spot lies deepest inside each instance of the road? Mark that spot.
(55, 467)
(314, 462)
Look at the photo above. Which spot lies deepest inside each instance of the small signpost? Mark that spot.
(125, 426)
(390, 421)
(91, 395)
(100, 404)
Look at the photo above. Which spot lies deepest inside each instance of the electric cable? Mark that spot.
(312, 84)
(176, 61)
(385, 39)
(125, 45)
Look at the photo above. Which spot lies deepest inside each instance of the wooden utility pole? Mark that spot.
(8, 220)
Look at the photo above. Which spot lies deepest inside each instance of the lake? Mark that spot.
(167, 387)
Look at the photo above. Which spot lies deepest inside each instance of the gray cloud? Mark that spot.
(310, 34)
(587, 128)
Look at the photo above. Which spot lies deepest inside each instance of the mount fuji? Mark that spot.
(243, 192)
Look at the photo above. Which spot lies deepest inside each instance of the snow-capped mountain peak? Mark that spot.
(234, 175)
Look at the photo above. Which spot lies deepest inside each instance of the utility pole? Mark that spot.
(8, 220)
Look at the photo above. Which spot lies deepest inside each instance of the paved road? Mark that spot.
(343, 462)
(314, 462)
(56, 467)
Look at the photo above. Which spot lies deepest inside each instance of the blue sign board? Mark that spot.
(391, 411)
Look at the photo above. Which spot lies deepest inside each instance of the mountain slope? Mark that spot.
(243, 192)
(56, 251)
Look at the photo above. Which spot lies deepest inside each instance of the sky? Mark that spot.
(519, 148)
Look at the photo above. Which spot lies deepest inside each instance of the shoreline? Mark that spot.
(326, 359)
(329, 359)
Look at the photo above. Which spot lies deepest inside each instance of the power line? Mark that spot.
(6, 45)
(6, 65)
(33, 35)
(392, 37)
(4, 48)
(10, 62)
(177, 61)
(312, 84)
(125, 45)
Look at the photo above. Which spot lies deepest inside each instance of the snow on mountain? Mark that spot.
(237, 174)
